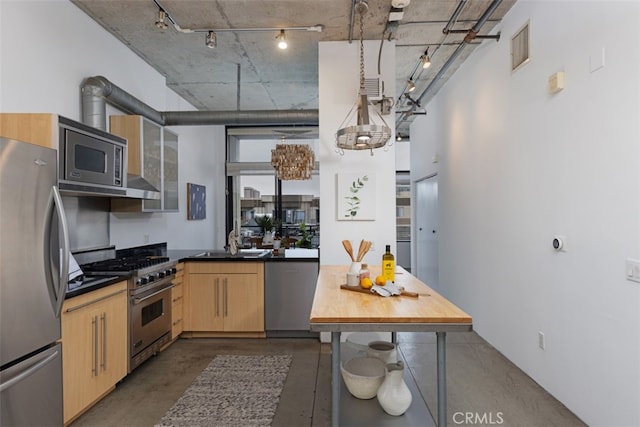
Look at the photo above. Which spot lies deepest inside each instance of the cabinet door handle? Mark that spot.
(177, 322)
(94, 323)
(103, 318)
(176, 299)
(217, 298)
(226, 295)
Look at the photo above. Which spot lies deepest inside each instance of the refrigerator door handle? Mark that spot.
(32, 370)
(57, 287)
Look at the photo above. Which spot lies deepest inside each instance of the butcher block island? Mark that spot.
(338, 310)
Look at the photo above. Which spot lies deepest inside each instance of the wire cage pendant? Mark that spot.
(365, 134)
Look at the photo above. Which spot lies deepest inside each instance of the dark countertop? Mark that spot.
(181, 255)
(83, 287)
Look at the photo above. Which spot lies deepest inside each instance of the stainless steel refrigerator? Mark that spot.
(33, 277)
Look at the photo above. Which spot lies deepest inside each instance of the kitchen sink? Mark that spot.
(242, 253)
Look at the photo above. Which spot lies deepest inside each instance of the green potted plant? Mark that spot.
(265, 223)
(305, 241)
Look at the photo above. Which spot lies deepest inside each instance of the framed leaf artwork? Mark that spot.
(356, 196)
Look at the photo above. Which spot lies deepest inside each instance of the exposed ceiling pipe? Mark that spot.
(98, 90)
(472, 33)
(247, 118)
(454, 17)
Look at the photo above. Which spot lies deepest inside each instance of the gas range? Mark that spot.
(150, 273)
(144, 264)
(144, 270)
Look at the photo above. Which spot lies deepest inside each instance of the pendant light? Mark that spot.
(365, 134)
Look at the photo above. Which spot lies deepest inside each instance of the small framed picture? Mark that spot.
(356, 195)
(196, 201)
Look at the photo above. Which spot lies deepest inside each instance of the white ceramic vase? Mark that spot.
(383, 350)
(393, 395)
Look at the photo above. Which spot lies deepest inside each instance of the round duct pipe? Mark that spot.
(244, 118)
(97, 91)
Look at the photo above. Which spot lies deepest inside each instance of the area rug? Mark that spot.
(232, 391)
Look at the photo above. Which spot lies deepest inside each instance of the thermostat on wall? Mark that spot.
(556, 82)
(559, 243)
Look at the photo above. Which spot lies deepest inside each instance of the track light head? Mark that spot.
(410, 85)
(161, 22)
(282, 40)
(211, 40)
(426, 61)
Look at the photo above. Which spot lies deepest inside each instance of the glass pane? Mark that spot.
(301, 204)
(170, 152)
(254, 186)
(257, 200)
(152, 160)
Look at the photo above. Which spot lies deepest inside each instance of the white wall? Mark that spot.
(338, 89)
(519, 166)
(41, 70)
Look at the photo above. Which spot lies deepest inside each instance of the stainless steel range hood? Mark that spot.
(137, 188)
(140, 188)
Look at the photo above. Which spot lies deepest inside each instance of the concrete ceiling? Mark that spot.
(246, 71)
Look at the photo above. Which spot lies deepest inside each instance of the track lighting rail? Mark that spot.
(163, 14)
(471, 34)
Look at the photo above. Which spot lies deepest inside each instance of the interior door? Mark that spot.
(426, 231)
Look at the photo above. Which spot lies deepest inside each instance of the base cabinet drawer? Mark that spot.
(177, 320)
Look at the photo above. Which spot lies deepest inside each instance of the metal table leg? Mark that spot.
(335, 379)
(442, 378)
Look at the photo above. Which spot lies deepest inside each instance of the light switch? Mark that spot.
(632, 270)
(596, 59)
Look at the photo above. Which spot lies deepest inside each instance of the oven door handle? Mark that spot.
(137, 301)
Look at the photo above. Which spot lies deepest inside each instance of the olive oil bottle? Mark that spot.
(388, 265)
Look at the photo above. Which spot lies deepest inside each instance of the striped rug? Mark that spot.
(232, 391)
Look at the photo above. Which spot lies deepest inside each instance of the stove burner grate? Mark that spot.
(124, 264)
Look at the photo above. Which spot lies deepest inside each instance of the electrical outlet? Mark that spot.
(541, 341)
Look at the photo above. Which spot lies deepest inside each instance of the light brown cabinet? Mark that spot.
(177, 299)
(224, 297)
(152, 152)
(35, 128)
(94, 346)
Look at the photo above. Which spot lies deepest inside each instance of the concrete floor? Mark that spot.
(481, 382)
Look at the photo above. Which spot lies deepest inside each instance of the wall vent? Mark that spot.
(373, 88)
(520, 48)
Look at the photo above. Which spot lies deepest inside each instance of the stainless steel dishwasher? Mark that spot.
(289, 289)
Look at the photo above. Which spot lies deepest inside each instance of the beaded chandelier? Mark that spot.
(293, 161)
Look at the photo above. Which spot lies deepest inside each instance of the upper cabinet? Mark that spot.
(153, 155)
(40, 129)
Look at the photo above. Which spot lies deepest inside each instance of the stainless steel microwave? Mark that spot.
(91, 160)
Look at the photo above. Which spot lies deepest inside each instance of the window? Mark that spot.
(254, 192)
